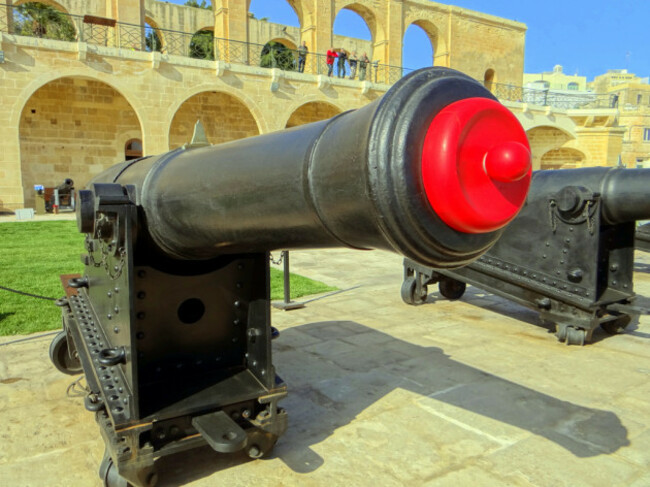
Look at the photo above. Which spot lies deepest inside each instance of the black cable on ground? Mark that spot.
(27, 294)
(30, 338)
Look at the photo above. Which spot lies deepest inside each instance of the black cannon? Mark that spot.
(171, 320)
(569, 254)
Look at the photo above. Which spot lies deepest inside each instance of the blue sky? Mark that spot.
(587, 37)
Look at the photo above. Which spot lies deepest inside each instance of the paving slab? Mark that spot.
(471, 392)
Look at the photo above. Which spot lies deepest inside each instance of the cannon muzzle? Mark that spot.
(432, 170)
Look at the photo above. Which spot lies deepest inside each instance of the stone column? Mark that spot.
(128, 12)
(231, 31)
(395, 32)
(7, 17)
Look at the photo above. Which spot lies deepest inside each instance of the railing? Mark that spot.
(565, 101)
(52, 24)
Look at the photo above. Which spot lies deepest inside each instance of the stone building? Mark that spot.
(556, 80)
(123, 79)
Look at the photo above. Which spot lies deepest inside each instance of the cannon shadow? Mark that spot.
(512, 310)
(336, 370)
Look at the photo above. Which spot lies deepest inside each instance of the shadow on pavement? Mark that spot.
(335, 370)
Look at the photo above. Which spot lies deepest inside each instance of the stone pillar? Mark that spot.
(395, 32)
(323, 25)
(128, 12)
(7, 17)
(231, 31)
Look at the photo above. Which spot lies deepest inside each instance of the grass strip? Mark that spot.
(34, 254)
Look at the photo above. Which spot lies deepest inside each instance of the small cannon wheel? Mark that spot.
(451, 288)
(61, 356)
(575, 336)
(409, 292)
(260, 443)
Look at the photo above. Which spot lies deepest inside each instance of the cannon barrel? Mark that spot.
(623, 192)
(410, 172)
(66, 186)
(569, 254)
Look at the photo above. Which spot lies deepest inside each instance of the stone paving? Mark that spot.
(473, 392)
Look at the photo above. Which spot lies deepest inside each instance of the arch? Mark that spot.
(285, 42)
(296, 5)
(312, 111)
(51, 3)
(438, 42)
(157, 41)
(367, 11)
(573, 86)
(224, 117)
(80, 138)
(29, 90)
(67, 30)
(133, 149)
(546, 138)
(563, 158)
(240, 95)
(489, 79)
(201, 44)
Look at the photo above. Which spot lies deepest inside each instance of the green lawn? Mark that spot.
(34, 254)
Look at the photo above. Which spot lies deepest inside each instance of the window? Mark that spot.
(133, 149)
(573, 86)
(638, 99)
(646, 135)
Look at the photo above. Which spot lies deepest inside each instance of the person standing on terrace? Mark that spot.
(331, 55)
(302, 56)
(343, 55)
(363, 66)
(353, 60)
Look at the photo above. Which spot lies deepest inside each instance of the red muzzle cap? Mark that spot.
(476, 165)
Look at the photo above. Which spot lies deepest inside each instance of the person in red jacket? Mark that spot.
(331, 55)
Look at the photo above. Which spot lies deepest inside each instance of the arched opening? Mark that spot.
(313, 111)
(202, 45)
(419, 46)
(223, 116)
(276, 54)
(282, 12)
(285, 42)
(274, 26)
(153, 40)
(132, 149)
(573, 86)
(543, 139)
(563, 158)
(47, 20)
(489, 79)
(354, 34)
(73, 128)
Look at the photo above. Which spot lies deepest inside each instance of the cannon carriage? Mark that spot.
(170, 322)
(569, 253)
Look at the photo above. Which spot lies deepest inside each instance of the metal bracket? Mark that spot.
(220, 432)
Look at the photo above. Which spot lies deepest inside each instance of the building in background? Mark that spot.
(100, 81)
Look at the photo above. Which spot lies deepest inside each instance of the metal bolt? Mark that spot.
(116, 330)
